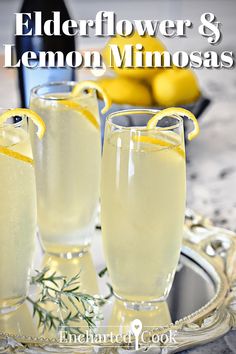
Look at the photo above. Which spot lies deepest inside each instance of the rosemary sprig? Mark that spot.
(73, 306)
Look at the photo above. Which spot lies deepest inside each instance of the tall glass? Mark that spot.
(67, 168)
(17, 213)
(143, 204)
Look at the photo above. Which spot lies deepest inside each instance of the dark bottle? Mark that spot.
(30, 77)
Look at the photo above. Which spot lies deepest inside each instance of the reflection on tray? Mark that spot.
(70, 267)
(19, 322)
(192, 289)
(121, 317)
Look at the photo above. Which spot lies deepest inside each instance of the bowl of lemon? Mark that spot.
(150, 87)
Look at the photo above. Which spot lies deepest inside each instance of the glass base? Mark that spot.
(148, 305)
(9, 305)
(64, 250)
(67, 254)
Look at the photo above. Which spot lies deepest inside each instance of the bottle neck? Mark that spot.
(43, 5)
(47, 43)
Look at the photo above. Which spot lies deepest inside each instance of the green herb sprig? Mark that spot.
(58, 290)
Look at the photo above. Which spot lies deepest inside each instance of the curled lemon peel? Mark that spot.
(92, 85)
(16, 155)
(85, 112)
(159, 142)
(22, 112)
(172, 111)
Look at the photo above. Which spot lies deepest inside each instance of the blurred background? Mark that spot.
(211, 167)
(139, 9)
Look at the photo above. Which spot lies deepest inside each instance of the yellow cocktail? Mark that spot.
(143, 203)
(17, 207)
(67, 167)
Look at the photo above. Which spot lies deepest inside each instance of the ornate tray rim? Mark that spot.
(213, 249)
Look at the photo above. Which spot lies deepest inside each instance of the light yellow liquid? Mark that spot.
(67, 174)
(88, 284)
(143, 203)
(17, 217)
(70, 267)
(121, 318)
(19, 322)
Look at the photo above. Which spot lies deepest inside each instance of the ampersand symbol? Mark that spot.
(209, 23)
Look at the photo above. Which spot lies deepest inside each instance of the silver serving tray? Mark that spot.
(202, 302)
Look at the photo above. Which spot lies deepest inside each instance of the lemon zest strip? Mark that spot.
(21, 112)
(37, 120)
(16, 155)
(92, 85)
(85, 112)
(152, 140)
(175, 111)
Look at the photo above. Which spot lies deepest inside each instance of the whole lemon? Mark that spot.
(149, 44)
(175, 86)
(126, 91)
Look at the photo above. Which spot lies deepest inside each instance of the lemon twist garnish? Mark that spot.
(175, 111)
(92, 85)
(21, 112)
(85, 112)
(11, 153)
(78, 89)
(156, 141)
